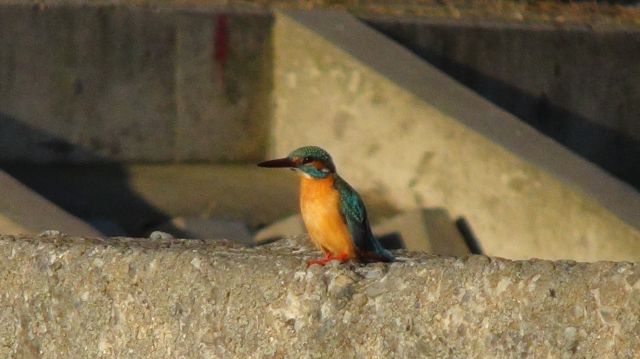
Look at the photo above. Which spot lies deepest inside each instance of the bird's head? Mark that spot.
(311, 161)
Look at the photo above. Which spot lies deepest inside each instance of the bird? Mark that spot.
(332, 211)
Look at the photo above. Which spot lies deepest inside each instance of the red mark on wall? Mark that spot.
(221, 44)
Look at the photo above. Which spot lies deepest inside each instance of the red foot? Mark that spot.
(328, 258)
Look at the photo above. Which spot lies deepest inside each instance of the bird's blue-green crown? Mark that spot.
(313, 161)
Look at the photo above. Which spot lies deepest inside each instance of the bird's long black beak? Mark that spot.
(280, 162)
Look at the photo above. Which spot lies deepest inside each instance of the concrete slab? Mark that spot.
(24, 212)
(146, 298)
(400, 127)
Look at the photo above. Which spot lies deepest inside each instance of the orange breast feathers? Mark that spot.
(320, 207)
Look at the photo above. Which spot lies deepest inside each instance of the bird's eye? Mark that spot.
(306, 160)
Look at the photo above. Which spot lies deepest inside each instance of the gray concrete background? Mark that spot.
(73, 297)
(147, 85)
(576, 84)
(129, 84)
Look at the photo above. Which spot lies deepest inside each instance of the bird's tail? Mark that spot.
(378, 254)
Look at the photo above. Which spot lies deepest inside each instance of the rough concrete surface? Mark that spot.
(398, 127)
(207, 228)
(74, 297)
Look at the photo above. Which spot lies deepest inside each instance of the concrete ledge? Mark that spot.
(74, 297)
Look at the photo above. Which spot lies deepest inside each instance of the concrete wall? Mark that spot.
(141, 85)
(107, 75)
(400, 128)
(65, 297)
(578, 85)
(82, 84)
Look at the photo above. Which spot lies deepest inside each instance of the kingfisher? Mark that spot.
(332, 211)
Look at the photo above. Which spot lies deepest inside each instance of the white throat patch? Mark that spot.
(302, 173)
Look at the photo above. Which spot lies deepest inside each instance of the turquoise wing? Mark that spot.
(355, 215)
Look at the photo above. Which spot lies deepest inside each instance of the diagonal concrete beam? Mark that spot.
(23, 211)
(74, 297)
(400, 127)
(413, 74)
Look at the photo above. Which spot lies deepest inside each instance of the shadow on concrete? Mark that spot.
(468, 235)
(612, 150)
(99, 193)
(394, 240)
(391, 241)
